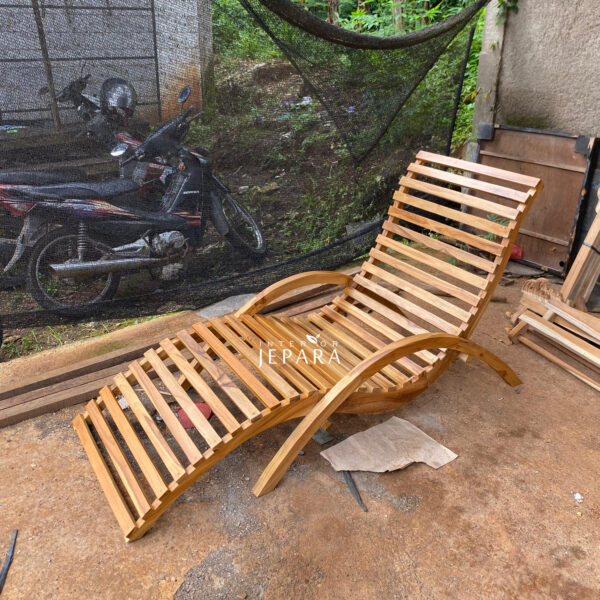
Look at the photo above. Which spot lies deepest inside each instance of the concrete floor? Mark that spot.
(498, 522)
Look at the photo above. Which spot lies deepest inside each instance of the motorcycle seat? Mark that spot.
(103, 190)
(61, 175)
(159, 220)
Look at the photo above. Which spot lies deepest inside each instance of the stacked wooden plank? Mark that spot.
(565, 336)
(559, 319)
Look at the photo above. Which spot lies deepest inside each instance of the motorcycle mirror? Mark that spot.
(119, 150)
(43, 90)
(184, 94)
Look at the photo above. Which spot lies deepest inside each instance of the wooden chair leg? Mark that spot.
(353, 380)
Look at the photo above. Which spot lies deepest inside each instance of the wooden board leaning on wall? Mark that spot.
(565, 163)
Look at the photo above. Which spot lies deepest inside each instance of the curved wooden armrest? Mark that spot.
(353, 380)
(291, 283)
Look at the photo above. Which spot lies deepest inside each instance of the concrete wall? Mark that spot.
(184, 41)
(542, 69)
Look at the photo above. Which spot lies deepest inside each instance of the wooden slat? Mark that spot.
(253, 357)
(355, 328)
(334, 369)
(177, 430)
(559, 362)
(265, 328)
(425, 277)
(391, 314)
(449, 250)
(417, 292)
(104, 476)
(486, 225)
(470, 183)
(470, 167)
(151, 473)
(248, 378)
(200, 422)
(587, 324)
(492, 208)
(530, 161)
(220, 377)
(258, 337)
(119, 460)
(405, 305)
(347, 359)
(564, 338)
(157, 439)
(208, 396)
(286, 333)
(376, 324)
(338, 333)
(431, 261)
(308, 306)
(452, 232)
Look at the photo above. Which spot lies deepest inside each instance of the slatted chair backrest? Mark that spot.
(443, 248)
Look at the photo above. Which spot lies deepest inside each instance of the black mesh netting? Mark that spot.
(308, 134)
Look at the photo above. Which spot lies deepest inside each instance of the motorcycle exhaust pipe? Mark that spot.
(103, 267)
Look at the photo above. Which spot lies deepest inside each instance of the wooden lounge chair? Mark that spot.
(396, 327)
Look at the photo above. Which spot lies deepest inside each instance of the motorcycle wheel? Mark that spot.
(243, 234)
(66, 296)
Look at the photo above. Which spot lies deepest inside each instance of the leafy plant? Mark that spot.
(504, 9)
(495, 219)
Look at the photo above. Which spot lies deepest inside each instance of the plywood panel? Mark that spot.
(547, 233)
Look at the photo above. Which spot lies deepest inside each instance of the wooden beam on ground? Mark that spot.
(91, 365)
(559, 362)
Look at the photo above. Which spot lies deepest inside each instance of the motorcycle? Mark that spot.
(84, 237)
(104, 116)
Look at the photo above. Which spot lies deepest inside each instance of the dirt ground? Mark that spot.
(501, 521)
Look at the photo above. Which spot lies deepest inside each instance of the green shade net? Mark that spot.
(365, 88)
(311, 136)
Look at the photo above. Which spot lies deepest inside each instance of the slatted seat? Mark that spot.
(395, 326)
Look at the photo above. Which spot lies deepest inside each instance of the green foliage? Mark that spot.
(464, 120)
(374, 17)
(233, 40)
(505, 6)
(325, 197)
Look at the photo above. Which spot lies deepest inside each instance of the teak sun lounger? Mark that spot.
(395, 327)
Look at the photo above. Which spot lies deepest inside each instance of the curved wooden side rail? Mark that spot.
(352, 381)
(289, 284)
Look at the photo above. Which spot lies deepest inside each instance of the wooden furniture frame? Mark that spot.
(571, 334)
(393, 337)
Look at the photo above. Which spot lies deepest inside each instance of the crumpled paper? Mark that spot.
(392, 445)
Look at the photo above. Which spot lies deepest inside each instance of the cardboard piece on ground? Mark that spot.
(392, 445)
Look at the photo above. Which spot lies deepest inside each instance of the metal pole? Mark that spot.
(156, 68)
(46, 60)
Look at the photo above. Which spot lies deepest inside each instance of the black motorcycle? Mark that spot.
(86, 235)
